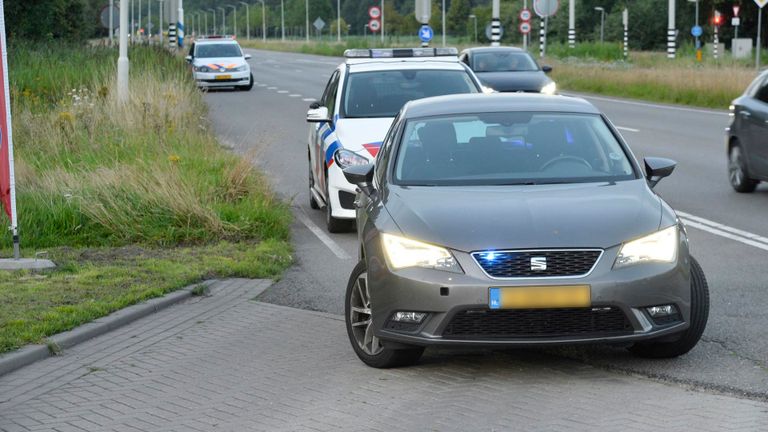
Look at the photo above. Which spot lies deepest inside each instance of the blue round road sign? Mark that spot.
(426, 33)
(696, 31)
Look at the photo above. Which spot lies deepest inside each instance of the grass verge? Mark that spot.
(130, 200)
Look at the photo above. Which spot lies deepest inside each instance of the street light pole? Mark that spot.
(474, 18)
(162, 6)
(282, 20)
(214, 19)
(248, 19)
(443, 22)
(223, 20)
(111, 21)
(122, 60)
(382, 22)
(306, 15)
(338, 20)
(234, 18)
(602, 22)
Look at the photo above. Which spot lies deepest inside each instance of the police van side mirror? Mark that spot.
(188, 59)
(318, 115)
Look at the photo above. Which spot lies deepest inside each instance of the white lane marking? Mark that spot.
(624, 128)
(317, 61)
(648, 105)
(299, 70)
(308, 99)
(282, 91)
(322, 236)
(725, 231)
(262, 85)
(294, 95)
(271, 88)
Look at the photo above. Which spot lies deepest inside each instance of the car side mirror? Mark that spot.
(546, 69)
(359, 175)
(658, 168)
(247, 56)
(318, 115)
(188, 59)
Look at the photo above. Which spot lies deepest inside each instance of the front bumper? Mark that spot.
(341, 194)
(217, 79)
(444, 296)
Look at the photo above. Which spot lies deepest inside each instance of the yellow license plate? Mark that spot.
(223, 77)
(540, 297)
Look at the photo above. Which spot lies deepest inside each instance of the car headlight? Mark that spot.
(239, 68)
(402, 252)
(202, 69)
(660, 246)
(550, 88)
(346, 158)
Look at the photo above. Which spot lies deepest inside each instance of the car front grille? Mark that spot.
(538, 323)
(537, 263)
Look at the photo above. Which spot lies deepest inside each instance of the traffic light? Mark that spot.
(717, 19)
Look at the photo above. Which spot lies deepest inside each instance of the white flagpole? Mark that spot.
(9, 135)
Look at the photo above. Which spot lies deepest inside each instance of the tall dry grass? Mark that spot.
(92, 171)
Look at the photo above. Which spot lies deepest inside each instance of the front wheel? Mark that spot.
(690, 337)
(250, 84)
(359, 318)
(737, 171)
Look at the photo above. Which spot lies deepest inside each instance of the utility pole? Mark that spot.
(495, 24)
(122, 59)
(572, 23)
(671, 31)
(473, 17)
(602, 22)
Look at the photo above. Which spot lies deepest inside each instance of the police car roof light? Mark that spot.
(400, 52)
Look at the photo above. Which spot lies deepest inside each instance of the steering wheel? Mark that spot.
(560, 159)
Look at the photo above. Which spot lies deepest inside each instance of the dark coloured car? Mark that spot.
(747, 137)
(514, 220)
(509, 69)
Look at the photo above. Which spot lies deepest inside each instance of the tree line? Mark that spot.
(79, 19)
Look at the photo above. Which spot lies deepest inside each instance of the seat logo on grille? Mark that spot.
(538, 263)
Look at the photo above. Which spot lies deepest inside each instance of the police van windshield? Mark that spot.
(383, 93)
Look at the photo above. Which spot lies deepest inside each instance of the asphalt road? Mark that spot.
(728, 231)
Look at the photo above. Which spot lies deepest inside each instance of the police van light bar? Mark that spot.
(400, 52)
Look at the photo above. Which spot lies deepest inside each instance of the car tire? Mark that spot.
(333, 224)
(249, 86)
(737, 171)
(690, 337)
(312, 202)
(357, 310)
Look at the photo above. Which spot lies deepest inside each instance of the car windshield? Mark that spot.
(510, 148)
(383, 93)
(503, 62)
(218, 50)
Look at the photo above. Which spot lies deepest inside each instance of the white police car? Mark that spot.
(363, 96)
(218, 61)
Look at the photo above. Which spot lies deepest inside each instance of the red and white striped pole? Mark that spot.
(7, 180)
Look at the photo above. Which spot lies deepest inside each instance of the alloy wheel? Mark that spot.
(360, 317)
(735, 172)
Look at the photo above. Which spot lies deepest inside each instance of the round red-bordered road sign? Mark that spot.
(374, 25)
(525, 15)
(525, 27)
(374, 12)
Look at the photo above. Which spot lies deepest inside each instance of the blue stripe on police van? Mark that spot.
(495, 298)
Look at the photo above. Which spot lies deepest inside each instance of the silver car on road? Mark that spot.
(502, 220)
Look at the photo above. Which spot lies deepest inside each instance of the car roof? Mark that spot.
(493, 49)
(497, 102)
(370, 65)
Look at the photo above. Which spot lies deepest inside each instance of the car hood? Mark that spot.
(362, 135)
(524, 217)
(514, 81)
(218, 62)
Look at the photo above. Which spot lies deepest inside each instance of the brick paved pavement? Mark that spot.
(228, 363)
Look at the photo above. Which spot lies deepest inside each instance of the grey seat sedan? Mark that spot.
(505, 220)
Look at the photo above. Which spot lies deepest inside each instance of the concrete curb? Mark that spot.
(32, 353)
